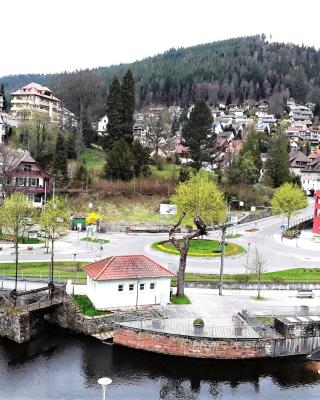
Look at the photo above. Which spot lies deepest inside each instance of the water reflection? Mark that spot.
(58, 365)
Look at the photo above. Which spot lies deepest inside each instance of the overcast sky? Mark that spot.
(57, 35)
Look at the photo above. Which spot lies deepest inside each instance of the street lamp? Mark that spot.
(104, 382)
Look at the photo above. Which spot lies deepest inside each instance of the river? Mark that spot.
(58, 365)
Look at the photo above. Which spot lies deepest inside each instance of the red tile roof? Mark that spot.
(126, 267)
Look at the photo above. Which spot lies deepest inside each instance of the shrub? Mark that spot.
(198, 321)
(291, 233)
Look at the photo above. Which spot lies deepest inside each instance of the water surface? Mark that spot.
(61, 366)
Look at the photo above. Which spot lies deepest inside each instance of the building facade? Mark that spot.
(35, 98)
(127, 281)
(19, 171)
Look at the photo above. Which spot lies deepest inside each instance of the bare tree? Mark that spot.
(183, 246)
(159, 127)
(8, 160)
(257, 266)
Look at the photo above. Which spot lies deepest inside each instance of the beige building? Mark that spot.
(35, 98)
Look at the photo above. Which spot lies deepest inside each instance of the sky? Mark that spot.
(44, 36)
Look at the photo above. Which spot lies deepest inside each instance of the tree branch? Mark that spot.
(172, 232)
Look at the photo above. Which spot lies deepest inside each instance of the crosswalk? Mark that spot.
(258, 234)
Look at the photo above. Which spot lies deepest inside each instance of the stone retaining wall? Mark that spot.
(192, 347)
(67, 316)
(214, 348)
(15, 326)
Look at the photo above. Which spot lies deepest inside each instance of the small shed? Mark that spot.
(127, 281)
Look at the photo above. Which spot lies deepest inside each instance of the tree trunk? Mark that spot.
(259, 284)
(181, 271)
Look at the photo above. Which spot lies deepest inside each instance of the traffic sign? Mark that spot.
(283, 227)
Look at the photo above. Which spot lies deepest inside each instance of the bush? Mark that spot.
(291, 233)
(198, 321)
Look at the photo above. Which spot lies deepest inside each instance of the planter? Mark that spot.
(198, 329)
(156, 324)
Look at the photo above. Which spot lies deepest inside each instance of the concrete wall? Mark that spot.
(106, 294)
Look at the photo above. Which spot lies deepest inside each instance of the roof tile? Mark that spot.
(126, 267)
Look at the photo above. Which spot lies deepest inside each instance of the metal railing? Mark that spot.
(179, 328)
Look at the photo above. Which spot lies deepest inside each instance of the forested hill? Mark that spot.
(230, 70)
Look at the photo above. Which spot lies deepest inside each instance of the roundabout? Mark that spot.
(200, 248)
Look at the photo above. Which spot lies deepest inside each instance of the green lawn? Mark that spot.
(40, 270)
(86, 307)
(168, 171)
(180, 300)
(95, 240)
(294, 275)
(63, 270)
(22, 240)
(94, 160)
(233, 236)
(200, 248)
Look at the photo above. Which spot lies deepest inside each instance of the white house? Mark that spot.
(127, 281)
(102, 125)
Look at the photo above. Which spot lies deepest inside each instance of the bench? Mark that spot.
(305, 294)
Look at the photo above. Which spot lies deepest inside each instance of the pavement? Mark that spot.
(262, 234)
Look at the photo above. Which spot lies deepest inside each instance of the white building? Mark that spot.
(102, 125)
(127, 281)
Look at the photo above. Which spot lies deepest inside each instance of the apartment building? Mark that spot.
(35, 98)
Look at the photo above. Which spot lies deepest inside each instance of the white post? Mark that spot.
(104, 382)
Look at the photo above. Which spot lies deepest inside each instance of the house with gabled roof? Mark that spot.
(20, 172)
(127, 281)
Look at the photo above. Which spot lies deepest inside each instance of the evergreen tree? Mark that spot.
(316, 110)
(196, 133)
(60, 161)
(141, 159)
(120, 162)
(127, 106)
(4, 97)
(277, 167)
(114, 114)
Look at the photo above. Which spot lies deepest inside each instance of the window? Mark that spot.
(33, 182)
(120, 288)
(131, 286)
(152, 285)
(27, 167)
(141, 286)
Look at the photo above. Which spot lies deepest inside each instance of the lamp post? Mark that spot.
(104, 383)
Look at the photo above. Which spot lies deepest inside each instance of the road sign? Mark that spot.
(283, 228)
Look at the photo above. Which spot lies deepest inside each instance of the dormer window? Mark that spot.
(27, 167)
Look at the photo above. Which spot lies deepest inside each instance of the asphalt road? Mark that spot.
(278, 255)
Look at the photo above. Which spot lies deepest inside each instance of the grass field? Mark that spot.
(94, 160)
(86, 307)
(201, 248)
(95, 240)
(180, 300)
(65, 270)
(40, 270)
(168, 171)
